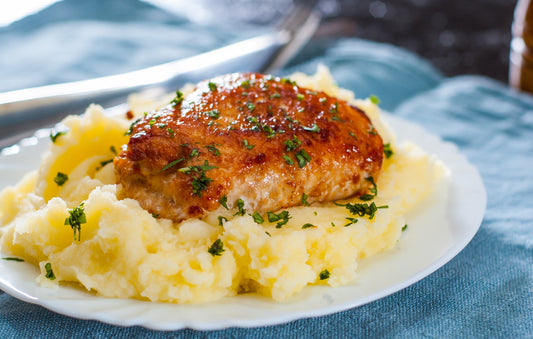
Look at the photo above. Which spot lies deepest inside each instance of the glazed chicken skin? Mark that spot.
(248, 138)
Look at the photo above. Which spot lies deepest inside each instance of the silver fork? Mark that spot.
(22, 111)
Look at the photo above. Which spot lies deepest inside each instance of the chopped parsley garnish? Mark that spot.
(113, 150)
(105, 162)
(322, 100)
(194, 153)
(292, 144)
(75, 219)
(245, 84)
(373, 190)
(299, 97)
(213, 149)
(333, 109)
(275, 95)
(363, 209)
(351, 221)
(49, 273)
(267, 233)
(216, 248)
(197, 168)
(151, 122)
(372, 130)
(269, 131)
(387, 150)
(13, 259)
(54, 137)
(61, 178)
(281, 218)
(170, 131)
(240, 207)
(212, 86)
(288, 159)
(258, 218)
(313, 128)
(287, 81)
(247, 144)
(250, 106)
(291, 119)
(172, 164)
(213, 114)
(304, 199)
(222, 220)
(374, 99)
(178, 99)
(130, 130)
(257, 126)
(200, 184)
(155, 216)
(324, 274)
(404, 227)
(224, 202)
(308, 225)
(303, 158)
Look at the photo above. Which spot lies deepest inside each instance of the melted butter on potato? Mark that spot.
(125, 252)
(79, 152)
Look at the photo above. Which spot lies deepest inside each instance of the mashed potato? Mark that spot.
(126, 252)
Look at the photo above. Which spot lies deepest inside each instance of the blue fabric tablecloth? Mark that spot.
(486, 291)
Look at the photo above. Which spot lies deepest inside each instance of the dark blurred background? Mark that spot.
(457, 37)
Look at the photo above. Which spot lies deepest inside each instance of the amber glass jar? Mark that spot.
(521, 57)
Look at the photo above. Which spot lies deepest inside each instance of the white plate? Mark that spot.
(445, 228)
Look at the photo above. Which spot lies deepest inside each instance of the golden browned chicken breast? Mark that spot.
(249, 137)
